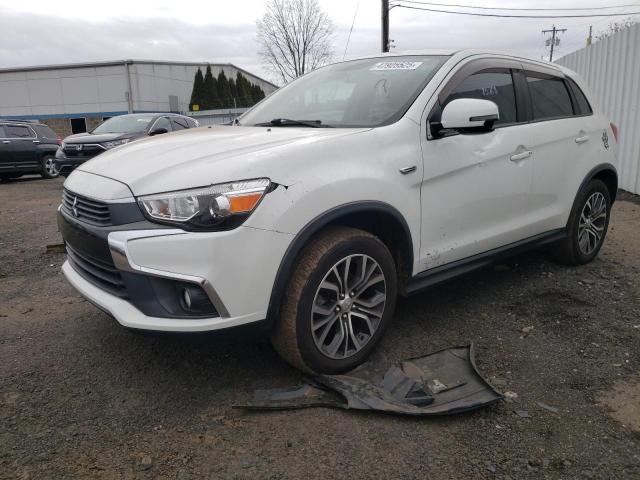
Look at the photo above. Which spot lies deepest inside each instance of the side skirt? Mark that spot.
(451, 270)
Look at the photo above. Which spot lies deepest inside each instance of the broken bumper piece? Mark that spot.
(441, 383)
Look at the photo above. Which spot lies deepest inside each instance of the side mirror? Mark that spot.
(158, 131)
(470, 114)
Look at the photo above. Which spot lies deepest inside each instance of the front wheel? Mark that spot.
(338, 302)
(587, 226)
(48, 167)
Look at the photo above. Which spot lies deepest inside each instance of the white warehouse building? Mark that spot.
(76, 97)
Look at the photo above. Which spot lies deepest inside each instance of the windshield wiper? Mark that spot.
(285, 122)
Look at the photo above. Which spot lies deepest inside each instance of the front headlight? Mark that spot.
(217, 207)
(115, 143)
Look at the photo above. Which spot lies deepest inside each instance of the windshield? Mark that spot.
(124, 124)
(359, 93)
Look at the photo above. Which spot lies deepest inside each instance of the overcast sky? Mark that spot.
(36, 32)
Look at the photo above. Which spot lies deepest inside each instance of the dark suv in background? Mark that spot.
(77, 149)
(27, 147)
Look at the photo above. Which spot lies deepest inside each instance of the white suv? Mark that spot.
(355, 183)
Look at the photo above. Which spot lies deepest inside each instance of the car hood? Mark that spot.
(98, 138)
(208, 155)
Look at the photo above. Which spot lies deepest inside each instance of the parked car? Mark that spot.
(357, 182)
(27, 147)
(77, 149)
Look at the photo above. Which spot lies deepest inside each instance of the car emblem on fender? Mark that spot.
(73, 206)
(605, 140)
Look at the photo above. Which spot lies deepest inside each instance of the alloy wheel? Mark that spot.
(593, 220)
(50, 166)
(348, 306)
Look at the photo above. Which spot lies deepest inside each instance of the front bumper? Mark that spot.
(65, 165)
(236, 269)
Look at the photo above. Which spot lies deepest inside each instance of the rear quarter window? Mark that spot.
(2, 132)
(45, 132)
(549, 96)
(582, 104)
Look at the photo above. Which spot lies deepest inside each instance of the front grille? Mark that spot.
(86, 151)
(99, 272)
(87, 209)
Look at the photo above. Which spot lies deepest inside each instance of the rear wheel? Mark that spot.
(48, 167)
(338, 302)
(587, 226)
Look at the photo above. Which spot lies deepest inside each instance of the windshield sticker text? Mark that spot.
(396, 66)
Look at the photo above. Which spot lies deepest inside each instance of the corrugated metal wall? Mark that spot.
(611, 68)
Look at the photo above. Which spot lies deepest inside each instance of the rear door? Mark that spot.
(564, 134)
(476, 186)
(22, 143)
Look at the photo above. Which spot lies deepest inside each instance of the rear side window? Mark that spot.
(495, 84)
(549, 96)
(18, 131)
(582, 107)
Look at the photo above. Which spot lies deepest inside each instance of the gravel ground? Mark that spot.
(81, 397)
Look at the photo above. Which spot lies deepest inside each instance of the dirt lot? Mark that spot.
(82, 397)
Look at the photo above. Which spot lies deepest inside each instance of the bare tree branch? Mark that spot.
(615, 27)
(295, 37)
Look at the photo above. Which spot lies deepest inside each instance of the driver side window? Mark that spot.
(494, 84)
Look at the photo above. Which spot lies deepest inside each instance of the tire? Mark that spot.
(307, 339)
(47, 167)
(584, 239)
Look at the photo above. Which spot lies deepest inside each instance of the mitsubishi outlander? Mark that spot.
(358, 182)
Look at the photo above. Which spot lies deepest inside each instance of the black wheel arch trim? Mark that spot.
(304, 235)
(595, 171)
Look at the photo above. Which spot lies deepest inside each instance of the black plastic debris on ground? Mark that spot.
(440, 383)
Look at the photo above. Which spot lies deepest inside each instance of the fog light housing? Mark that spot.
(193, 299)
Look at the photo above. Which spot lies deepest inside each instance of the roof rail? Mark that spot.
(17, 120)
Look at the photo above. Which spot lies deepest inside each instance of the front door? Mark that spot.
(476, 185)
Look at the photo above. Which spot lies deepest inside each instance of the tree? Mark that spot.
(243, 86)
(224, 91)
(615, 27)
(198, 89)
(294, 37)
(210, 96)
(233, 90)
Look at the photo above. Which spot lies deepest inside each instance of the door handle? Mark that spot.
(520, 156)
(582, 139)
(6, 141)
(407, 170)
(36, 141)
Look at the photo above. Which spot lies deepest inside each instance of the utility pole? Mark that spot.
(590, 38)
(554, 39)
(385, 26)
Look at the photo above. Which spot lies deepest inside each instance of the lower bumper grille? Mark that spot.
(98, 272)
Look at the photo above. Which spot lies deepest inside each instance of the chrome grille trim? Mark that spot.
(86, 209)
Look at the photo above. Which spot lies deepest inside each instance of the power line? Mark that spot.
(476, 14)
(355, 14)
(517, 9)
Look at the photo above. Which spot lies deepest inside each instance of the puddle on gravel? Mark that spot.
(623, 402)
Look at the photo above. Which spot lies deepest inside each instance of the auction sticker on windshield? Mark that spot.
(396, 65)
